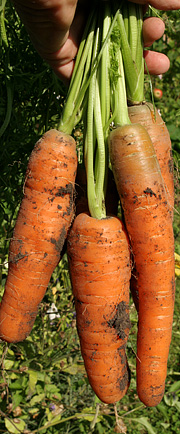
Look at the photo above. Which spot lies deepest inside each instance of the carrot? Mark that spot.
(149, 224)
(45, 215)
(99, 263)
(146, 115)
(141, 112)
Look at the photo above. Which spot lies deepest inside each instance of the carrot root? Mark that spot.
(45, 215)
(99, 262)
(149, 224)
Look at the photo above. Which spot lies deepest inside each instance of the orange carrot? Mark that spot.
(145, 115)
(159, 134)
(99, 262)
(149, 224)
(45, 214)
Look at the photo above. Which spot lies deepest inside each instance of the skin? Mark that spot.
(64, 20)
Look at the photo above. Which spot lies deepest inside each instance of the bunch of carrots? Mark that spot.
(127, 158)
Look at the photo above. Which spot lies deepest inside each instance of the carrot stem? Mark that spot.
(75, 97)
(100, 155)
(134, 73)
(104, 71)
(120, 98)
(73, 101)
(133, 34)
(139, 49)
(95, 187)
(97, 92)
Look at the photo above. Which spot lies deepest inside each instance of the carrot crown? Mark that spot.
(109, 70)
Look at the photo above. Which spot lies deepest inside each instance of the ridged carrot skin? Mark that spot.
(149, 224)
(99, 261)
(148, 116)
(45, 214)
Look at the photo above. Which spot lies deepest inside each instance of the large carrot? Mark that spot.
(46, 212)
(140, 112)
(149, 225)
(149, 117)
(99, 261)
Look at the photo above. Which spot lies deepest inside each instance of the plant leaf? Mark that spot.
(33, 376)
(15, 426)
(144, 421)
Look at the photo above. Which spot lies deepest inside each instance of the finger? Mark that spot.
(62, 61)
(153, 29)
(164, 5)
(47, 22)
(140, 2)
(64, 72)
(157, 63)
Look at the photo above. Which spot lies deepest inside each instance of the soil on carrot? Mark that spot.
(125, 379)
(60, 242)
(68, 189)
(121, 322)
(19, 255)
(171, 164)
(149, 191)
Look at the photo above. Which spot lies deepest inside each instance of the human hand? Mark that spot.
(163, 5)
(55, 28)
(153, 29)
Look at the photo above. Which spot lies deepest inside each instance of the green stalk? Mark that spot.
(139, 51)
(109, 70)
(89, 155)
(95, 205)
(104, 70)
(82, 51)
(134, 77)
(100, 154)
(133, 34)
(126, 20)
(96, 157)
(73, 101)
(104, 95)
(136, 40)
(120, 98)
(72, 107)
(91, 91)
